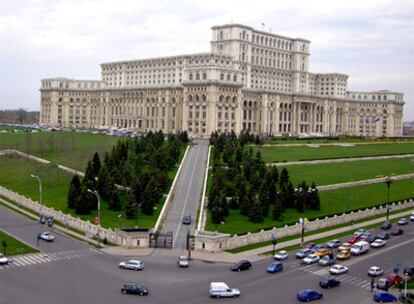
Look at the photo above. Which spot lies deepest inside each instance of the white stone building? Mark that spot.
(251, 80)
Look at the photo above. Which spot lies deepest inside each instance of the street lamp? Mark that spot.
(388, 182)
(40, 191)
(94, 192)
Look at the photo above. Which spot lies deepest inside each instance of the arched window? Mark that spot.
(190, 76)
(197, 76)
(221, 76)
(234, 78)
(228, 77)
(204, 76)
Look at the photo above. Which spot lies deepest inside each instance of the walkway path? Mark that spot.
(340, 144)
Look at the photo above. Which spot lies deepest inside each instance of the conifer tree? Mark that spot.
(130, 206)
(74, 192)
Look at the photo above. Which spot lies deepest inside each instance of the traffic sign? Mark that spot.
(96, 220)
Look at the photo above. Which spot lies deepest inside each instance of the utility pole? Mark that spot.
(99, 209)
(388, 182)
(40, 192)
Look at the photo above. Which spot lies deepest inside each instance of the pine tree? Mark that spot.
(150, 197)
(89, 178)
(114, 203)
(83, 204)
(277, 209)
(130, 206)
(284, 177)
(104, 184)
(74, 192)
(96, 164)
(256, 211)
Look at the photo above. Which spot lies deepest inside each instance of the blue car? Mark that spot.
(274, 267)
(309, 295)
(384, 297)
(304, 253)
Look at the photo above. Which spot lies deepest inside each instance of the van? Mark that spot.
(222, 290)
(360, 248)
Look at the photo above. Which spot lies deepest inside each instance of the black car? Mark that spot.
(383, 236)
(397, 231)
(329, 282)
(409, 271)
(134, 288)
(241, 265)
(386, 226)
(371, 239)
(186, 220)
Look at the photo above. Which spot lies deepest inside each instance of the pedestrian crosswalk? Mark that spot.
(40, 258)
(344, 278)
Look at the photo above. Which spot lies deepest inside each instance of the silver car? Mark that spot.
(46, 236)
(132, 265)
(183, 261)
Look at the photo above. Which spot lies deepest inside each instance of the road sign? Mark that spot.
(300, 220)
(306, 220)
(50, 221)
(96, 220)
(273, 239)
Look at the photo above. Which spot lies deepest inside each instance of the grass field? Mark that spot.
(14, 247)
(332, 173)
(281, 141)
(280, 154)
(71, 149)
(334, 201)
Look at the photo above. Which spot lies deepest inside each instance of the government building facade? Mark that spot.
(249, 81)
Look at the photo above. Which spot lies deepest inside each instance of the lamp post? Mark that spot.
(274, 242)
(121, 221)
(40, 191)
(388, 182)
(300, 193)
(94, 192)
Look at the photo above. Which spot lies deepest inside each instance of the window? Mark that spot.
(234, 78)
(221, 76)
(197, 76)
(228, 77)
(204, 76)
(190, 76)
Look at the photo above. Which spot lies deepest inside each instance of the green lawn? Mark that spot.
(333, 201)
(332, 173)
(13, 128)
(282, 140)
(71, 149)
(14, 247)
(281, 154)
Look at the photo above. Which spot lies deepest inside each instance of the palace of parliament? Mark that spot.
(250, 80)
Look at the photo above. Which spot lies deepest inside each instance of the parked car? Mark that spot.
(345, 246)
(353, 239)
(383, 284)
(359, 232)
(329, 282)
(47, 236)
(360, 247)
(132, 265)
(334, 243)
(343, 255)
(186, 220)
(386, 226)
(316, 247)
(274, 267)
(338, 269)
(310, 259)
(308, 245)
(384, 297)
(309, 295)
(281, 255)
(365, 235)
(384, 236)
(402, 222)
(241, 265)
(222, 290)
(183, 261)
(371, 239)
(375, 271)
(412, 217)
(394, 278)
(327, 260)
(378, 243)
(3, 260)
(397, 231)
(134, 288)
(304, 253)
(409, 271)
(322, 252)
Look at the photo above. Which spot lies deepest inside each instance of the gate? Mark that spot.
(161, 240)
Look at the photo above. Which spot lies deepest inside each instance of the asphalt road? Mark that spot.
(188, 194)
(94, 278)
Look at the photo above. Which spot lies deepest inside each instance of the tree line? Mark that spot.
(139, 167)
(242, 181)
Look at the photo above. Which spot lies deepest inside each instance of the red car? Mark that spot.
(353, 239)
(397, 231)
(394, 278)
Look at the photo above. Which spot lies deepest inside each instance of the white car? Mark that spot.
(132, 265)
(338, 269)
(378, 243)
(310, 259)
(222, 290)
(333, 244)
(412, 217)
(359, 232)
(375, 271)
(281, 255)
(183, 261)
(3, 260)
(46, 236)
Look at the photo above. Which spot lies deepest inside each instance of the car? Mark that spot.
(394, 278)
(397, 231)
(338, 269)
(378, 243)
(365, 235)
(281, 255)
(304, 253)
(131, 265)
(327, 260)
(343, 254)
(310, 259)
(47, 236)
(360, 247)
(383, 284)
(409, 271)
(345, 246)
(334, 244)
(402, 222)
(222, 290)
(316, 247)
(134, 288)
(353, 239)
(322, 252)
(412, 217)
(3, 260)
(274, 267)
(371, 239)
(375, 271)
(329, 282)
(387, 225)
(183, 261)
(186, 220)
(241, 265)
(308, 245)
(359, 232)
(384, 236)
(309, 295)
(384, 297)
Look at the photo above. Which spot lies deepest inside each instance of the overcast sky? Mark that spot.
(370, 40)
